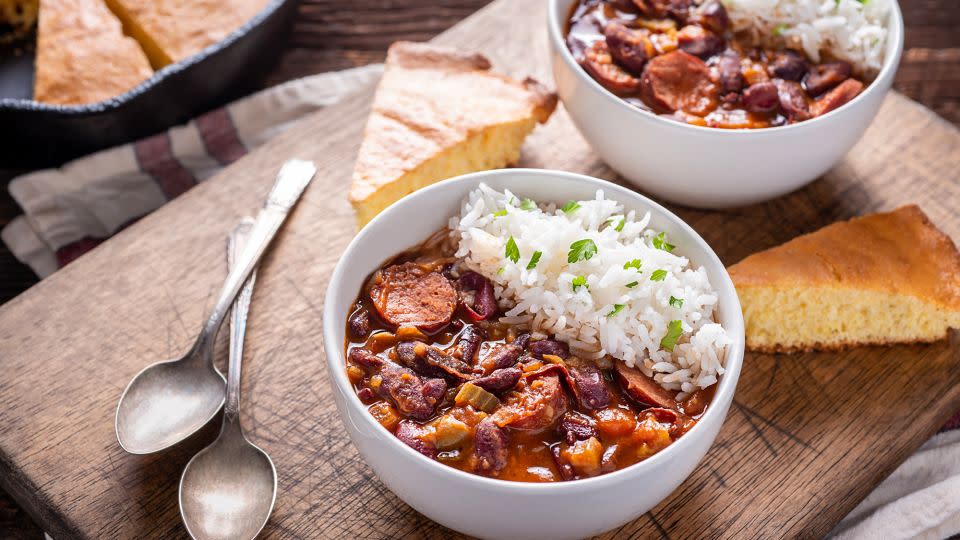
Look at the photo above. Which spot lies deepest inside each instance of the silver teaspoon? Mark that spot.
(170, 400)
(227, 490)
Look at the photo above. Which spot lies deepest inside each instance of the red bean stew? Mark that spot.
(679, 59)
(428, 357)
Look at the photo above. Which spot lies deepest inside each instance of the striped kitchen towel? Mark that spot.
(70, 210)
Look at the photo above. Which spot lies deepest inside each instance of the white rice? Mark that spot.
(544, 297)
(850, 30)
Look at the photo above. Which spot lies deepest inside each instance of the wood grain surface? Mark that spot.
(808, 436)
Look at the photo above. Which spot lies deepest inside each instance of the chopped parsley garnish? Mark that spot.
(528, 204)
(619, 224)
(534, 260)
(658, 275)
(500, 213)
(578, 282)
(674, 330)
(499, 270)
(617, 308)
(660, 242)
(512, 252)
(778, 29)
(632, 284)
(581, 250)
(676, 302)
(570, 207)
(632, 264)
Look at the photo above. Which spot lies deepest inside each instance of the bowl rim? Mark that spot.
(158, 76)
(336, 360)
(890, 63)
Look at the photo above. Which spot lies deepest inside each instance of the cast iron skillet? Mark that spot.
(35, 134)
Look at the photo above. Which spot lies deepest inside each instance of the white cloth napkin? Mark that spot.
(68, 211)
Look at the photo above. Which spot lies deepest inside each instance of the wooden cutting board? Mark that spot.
(807, 438)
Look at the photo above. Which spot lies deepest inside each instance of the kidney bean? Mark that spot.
(359, 356)
(598, 62)
(643, 389)
(490, 446)
(549, 346)
(793, 100)
(788, 65)
(534, 408)
(698, 41)
(761, 98)
(712, 16)
(416, 436)
(484, 304)
(469, 343)
(430, 362)
(409, 294)
(630, 48)
(522, 340)
(823, 77)
(575, 426)
(401, 385)
(359, 324)
(678, 81)
(503, 356)
(840, 95)
(500, 380)
(591, 392)
(731, 79)
(565, 469)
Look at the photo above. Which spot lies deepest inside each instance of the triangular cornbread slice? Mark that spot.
(83, 55)
(879, 279)
(438, 113)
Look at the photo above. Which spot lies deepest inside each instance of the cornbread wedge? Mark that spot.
(438, 113)
(82, 54)
(879, 279)
(171, 30)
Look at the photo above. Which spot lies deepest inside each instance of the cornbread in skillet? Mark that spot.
(879, 279)
(17, 18)
(171, 30)
(438, 113)
(83, 55)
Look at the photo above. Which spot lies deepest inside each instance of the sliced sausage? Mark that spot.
(575, 426)
(630, 48)
(833, 99)
(598, 62)
(823, 77)
(643, 389)
(549, 346)
(417, 437)
(477, 295)
(534, 408)
(731, 79)
(500, 380)
(490, 446)
(409, 294)
(365, 359)
(590, 390)
(793, 100)
(678, 81)
(788, 65)
(761, 98)
(699, 41)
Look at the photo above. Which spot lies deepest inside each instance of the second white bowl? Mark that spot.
(710, 167)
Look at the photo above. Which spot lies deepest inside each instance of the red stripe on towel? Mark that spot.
(220, 136)
(953, 423)
(72, 251)
(155, 157)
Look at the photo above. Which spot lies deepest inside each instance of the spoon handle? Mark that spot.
(291, 181)
(238, 319)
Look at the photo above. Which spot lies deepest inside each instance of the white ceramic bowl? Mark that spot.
(710, 167)
(492, 508)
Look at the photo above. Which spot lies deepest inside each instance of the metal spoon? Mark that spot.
(228, 489)
(169, 401)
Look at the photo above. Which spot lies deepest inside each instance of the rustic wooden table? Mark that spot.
(332, 35)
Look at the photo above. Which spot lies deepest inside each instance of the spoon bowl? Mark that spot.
(166, 402)
(228, 489)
